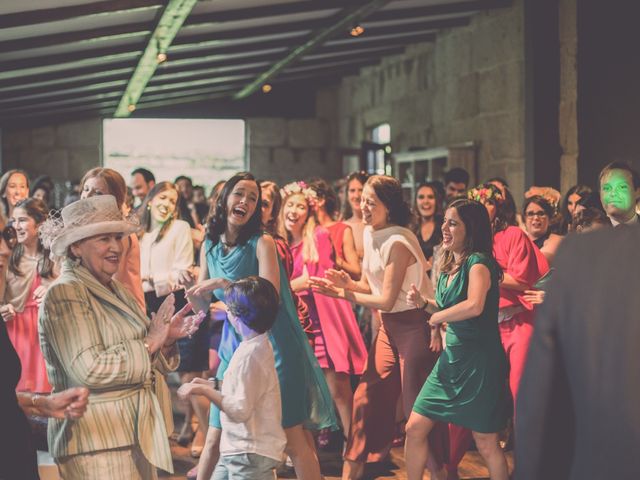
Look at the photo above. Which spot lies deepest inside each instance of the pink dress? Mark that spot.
(23, 332)
(338, 342)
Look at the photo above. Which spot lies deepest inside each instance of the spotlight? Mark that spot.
(162, 57)
(266, 88)
(356, 30)
(131, 107)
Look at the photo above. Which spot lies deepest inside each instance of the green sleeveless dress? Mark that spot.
(468, 385)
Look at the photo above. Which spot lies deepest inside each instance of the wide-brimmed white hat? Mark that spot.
(82, 219)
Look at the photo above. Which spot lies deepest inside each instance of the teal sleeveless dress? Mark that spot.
(468, 385)
(305, 396)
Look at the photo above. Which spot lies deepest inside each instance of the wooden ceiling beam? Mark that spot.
(83, 36)
(172, 18)
(346, 17)
(57, 14)
(434, 10)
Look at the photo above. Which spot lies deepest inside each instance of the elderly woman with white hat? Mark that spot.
(94, 334)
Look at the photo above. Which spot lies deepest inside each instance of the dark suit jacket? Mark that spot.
(579, 400)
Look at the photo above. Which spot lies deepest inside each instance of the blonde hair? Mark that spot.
(309, 247)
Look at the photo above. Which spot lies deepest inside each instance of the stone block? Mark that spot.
(568, 171)
(86, 133)
(327, 103)
(15, 139)
(311, 162)
(465, 97)
(501, 88)
(308, 132)
(82, 159)
(497, 37)
(568, 127)
(568, 20)
(267, 132)
(259, 159)
(43, 137)
(503, 134)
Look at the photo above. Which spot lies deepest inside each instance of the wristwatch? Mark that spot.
(216, 383)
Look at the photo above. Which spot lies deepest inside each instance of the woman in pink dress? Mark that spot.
(28, 276)
(338, 344)
(347, 258)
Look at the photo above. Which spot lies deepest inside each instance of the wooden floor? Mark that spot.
(472, 466)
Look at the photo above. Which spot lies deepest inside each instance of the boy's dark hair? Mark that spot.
(254, 300)
(457, 175)
(146, 174)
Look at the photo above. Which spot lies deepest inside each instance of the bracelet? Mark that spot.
(216, 383)
(146, 345)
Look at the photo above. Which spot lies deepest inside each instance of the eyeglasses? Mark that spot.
(10, 236)
(538, 214)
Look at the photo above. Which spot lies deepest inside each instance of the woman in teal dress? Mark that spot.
(236, 248)
(467, 387)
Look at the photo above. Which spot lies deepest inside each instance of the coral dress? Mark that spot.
(338, 342)
(23, 332)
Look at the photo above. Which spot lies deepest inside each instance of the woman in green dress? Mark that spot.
(467, 387)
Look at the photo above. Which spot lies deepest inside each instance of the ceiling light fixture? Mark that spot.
(266, 88)
(356, 30)
(161, 57)
(131, 107)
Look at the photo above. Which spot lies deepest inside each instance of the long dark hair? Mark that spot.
(479, 235)
(582, 191)
(328, 194)
(37, 210)
(218, 221)
(145, 208)
(360, 176)
(389, 191)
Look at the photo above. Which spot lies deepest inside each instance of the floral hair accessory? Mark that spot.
(485, 194)
(301, 188)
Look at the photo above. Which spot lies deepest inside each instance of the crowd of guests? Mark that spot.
(430, 306)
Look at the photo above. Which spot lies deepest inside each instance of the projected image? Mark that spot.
(205, 150)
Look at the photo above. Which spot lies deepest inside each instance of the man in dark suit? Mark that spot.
(579, 400)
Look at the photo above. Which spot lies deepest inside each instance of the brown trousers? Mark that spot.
(398, 365)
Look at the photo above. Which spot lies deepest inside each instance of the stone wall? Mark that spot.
(568, 94)
(283, 150)
(63, 151)
(468, 85)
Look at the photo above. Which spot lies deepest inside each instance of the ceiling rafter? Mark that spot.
(345, 18)
(47, 15)
(172, 18)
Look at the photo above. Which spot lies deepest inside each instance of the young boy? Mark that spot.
(252, 441)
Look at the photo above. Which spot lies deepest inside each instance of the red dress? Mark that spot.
(23, 332)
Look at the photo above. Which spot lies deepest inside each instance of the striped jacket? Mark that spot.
(92, 336)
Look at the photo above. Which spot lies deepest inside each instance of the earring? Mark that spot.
(148, 207)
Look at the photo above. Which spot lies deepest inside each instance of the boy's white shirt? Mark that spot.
(251, 414)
